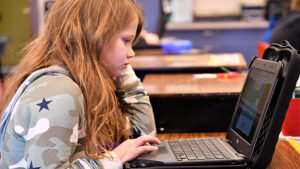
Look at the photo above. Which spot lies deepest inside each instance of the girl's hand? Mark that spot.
(126, 78)
(132, 148)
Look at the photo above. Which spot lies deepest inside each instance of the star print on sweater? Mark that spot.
(31, 166)
(44, 104)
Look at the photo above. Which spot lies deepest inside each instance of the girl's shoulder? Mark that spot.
(52, 81)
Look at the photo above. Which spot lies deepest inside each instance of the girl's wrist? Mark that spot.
(113, 157)
(126, 78)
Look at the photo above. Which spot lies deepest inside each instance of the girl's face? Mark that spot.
(118, 51)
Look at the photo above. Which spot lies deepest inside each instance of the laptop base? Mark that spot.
(142, 164)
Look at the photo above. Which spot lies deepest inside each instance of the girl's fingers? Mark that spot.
(146, 139)
(143, 149)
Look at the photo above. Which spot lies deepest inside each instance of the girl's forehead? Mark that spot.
(129, 30)
(132, 26)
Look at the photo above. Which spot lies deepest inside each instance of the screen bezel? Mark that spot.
(237, 140)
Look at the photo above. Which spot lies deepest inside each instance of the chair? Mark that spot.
(291, 125)
(261, 47)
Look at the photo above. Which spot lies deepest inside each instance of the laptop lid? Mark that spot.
(252, 105)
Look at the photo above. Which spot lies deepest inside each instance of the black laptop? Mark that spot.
(250, 131)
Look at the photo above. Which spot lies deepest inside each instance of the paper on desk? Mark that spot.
(231, 59)
(205, 76)
(289, 137)
(180, 88)
(295, 144)
(298, 82)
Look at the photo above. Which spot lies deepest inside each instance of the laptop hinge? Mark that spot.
(236, 153)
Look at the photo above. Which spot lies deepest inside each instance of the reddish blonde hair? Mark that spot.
(295, 5)
(74, 35)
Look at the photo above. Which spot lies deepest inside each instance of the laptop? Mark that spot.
(242, 136)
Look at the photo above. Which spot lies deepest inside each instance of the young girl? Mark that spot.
(74, 100)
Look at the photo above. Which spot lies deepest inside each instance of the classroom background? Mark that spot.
(208, 33)
(215, 26)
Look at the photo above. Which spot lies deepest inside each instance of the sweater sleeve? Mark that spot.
(46, 128)
(136, 103)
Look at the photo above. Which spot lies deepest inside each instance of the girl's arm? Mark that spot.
(136, 103)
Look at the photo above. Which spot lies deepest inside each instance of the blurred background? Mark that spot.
(217, 26)
(214, 26)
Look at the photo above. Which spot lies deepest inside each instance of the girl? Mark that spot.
(74, 98)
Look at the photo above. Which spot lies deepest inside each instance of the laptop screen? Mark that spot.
(253, 102)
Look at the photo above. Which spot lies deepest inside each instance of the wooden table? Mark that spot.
(186, 63)
(159, 51)
(205, 85)
(285, 156)
(191, 103)
(143, 52)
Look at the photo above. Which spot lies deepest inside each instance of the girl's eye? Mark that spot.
(127, 41)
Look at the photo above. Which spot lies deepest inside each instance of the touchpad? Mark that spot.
(160, 154)
(162, 149)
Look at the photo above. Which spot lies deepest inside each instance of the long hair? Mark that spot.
(295, 5)
(74, 35)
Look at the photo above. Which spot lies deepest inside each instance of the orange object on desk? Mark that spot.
(227, 75)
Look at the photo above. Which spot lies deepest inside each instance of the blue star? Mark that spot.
(44, 104)
(31, 167)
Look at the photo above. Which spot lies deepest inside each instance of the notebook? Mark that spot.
(242, 136)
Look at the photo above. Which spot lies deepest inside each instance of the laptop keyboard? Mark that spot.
(198, 149)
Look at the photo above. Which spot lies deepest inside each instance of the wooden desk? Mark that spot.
(142, 52)
(156, 52)
(192, 84)
(187, 63)
(185, 103)
(285, 156)
(232, 61)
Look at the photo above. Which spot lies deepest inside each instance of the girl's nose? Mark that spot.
(131, 53)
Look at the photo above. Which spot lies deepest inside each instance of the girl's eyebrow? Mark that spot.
(131, 35)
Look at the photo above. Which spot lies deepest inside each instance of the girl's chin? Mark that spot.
(116, 75)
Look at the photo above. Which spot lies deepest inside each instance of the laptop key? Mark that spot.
(210, 157)
(201, 157)
(191, 157)
(179, 159)
(219, 156)
(183, 156)
(227, 156)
